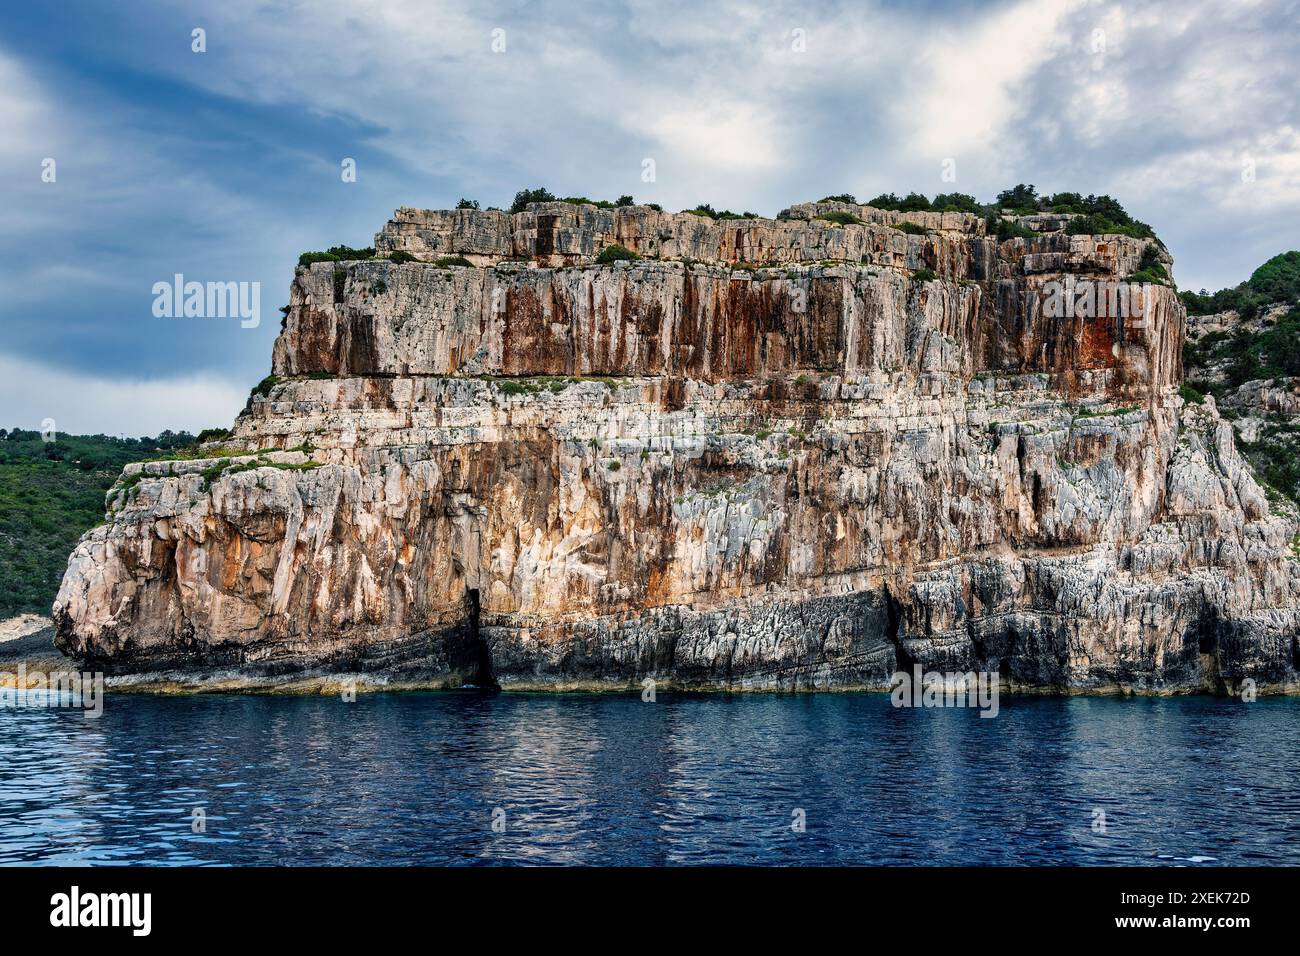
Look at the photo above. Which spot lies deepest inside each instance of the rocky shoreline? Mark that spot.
(34, 650)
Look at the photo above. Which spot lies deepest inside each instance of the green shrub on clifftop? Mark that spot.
(704, 209)
(841, 218)
(616, 253)
(263, 388)
(955, 202)
(336, 254)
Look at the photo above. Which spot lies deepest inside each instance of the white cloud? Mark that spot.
(1248, 182)
(31, 392)
(968, 93)
(726, 134)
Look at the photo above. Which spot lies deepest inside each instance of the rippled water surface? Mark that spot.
(415, 778)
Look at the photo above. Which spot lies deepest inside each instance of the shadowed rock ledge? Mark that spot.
(768, 454)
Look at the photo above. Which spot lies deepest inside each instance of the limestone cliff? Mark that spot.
(769, 453)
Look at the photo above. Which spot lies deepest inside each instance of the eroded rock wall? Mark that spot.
(802, 475)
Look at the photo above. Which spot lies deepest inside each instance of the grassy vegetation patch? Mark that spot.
(1108, 413)
(535, 384)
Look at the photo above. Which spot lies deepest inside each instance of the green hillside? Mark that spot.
(50, 494)
(1276, 281)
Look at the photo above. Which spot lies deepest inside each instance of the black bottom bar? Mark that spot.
(661, 906)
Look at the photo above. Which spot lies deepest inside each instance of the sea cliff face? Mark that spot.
(770, 453)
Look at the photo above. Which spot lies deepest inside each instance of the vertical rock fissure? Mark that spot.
(893, 632)
(482, 654)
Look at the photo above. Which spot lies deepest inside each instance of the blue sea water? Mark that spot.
(608, 779)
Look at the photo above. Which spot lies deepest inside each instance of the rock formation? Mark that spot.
(769, 453)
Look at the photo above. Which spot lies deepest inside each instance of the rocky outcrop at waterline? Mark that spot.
(781, 453)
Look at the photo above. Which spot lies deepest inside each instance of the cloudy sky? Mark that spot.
(224, 165)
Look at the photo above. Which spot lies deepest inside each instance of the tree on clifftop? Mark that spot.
(525, 196)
